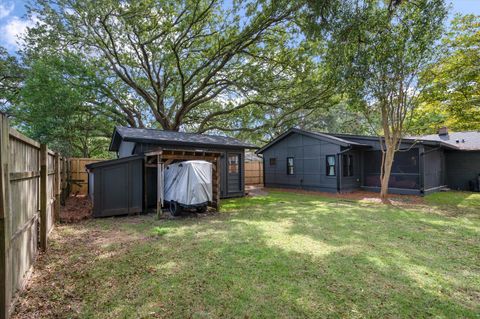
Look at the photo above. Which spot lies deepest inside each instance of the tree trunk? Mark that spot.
(386, 169)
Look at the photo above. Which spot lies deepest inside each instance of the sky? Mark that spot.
(13, 21)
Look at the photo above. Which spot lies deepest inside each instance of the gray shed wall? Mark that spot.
(309, 163)
(118, 188)
(461, 168)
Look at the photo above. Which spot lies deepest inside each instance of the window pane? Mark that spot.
(290, 169)
(330, 165)
(233, 161)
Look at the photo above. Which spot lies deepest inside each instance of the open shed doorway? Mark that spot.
(157, 160)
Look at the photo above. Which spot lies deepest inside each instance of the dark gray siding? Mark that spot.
(118, 188)
(230, 185)
(433, 168)
(351, 183)
(309, 163)
(461, 168)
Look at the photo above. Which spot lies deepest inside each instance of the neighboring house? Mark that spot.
(111, 182)
(344, 163)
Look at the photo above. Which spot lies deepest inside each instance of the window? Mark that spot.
(273, 161)
(290, 168)
(331, 165)
(347, 165)
(233, 162)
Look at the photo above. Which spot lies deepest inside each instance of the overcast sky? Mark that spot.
(14, 23)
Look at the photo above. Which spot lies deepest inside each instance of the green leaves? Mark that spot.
(452, 83)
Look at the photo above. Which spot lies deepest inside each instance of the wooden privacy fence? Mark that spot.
(254, 173)
(31, 180)
(79, 175)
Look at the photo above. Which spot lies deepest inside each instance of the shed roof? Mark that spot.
(155, 136)
(465, 141)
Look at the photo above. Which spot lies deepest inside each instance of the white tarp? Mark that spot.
(189, 182)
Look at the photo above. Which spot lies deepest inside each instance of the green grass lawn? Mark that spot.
(284, 255)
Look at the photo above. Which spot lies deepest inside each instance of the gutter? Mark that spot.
(430, 151)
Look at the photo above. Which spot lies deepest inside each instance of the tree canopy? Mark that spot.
(377, 49)
(452, 83)
(195, 65)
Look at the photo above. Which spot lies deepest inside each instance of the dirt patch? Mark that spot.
(76, 208)
(357, 196)
(255, 191)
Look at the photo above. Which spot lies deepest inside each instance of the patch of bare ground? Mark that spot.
(59, 275)
(358, 196)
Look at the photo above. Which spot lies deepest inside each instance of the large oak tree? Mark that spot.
(195, 65)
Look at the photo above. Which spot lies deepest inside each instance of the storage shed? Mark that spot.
(142, 155)
(116, 186)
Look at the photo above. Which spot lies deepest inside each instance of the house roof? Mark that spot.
(465, 141)
(406, 140)
(155, 136)
(320, 136)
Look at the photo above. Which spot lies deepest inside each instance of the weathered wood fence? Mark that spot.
(31, 181)
(79, 175)
(254, 173)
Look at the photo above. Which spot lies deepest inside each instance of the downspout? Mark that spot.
(339, 178)
(263, 168)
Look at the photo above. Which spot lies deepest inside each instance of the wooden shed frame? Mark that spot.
(162, 157)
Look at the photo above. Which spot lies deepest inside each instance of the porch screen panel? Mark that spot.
(405, 169)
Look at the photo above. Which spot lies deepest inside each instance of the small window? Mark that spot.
(233, 164)
(347, 165)
(290, 166)
(331, 165)
(273, 161)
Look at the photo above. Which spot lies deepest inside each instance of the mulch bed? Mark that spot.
(76, 208)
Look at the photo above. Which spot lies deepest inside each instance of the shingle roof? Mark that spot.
(173, 138)
(317, 135)
(466, 141)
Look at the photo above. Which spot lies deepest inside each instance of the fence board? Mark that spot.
(254, 173)
(20, 188)
(79, 174)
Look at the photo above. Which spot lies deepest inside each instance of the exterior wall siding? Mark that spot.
(462, 167)
(309, 164)
(125, 149)
(118, 188)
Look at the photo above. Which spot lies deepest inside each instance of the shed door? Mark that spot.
(234, 180)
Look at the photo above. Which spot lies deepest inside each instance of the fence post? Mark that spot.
(5, 285)
(58, 187)
(43, 195)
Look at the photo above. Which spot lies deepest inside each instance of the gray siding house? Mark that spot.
(344, 163)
